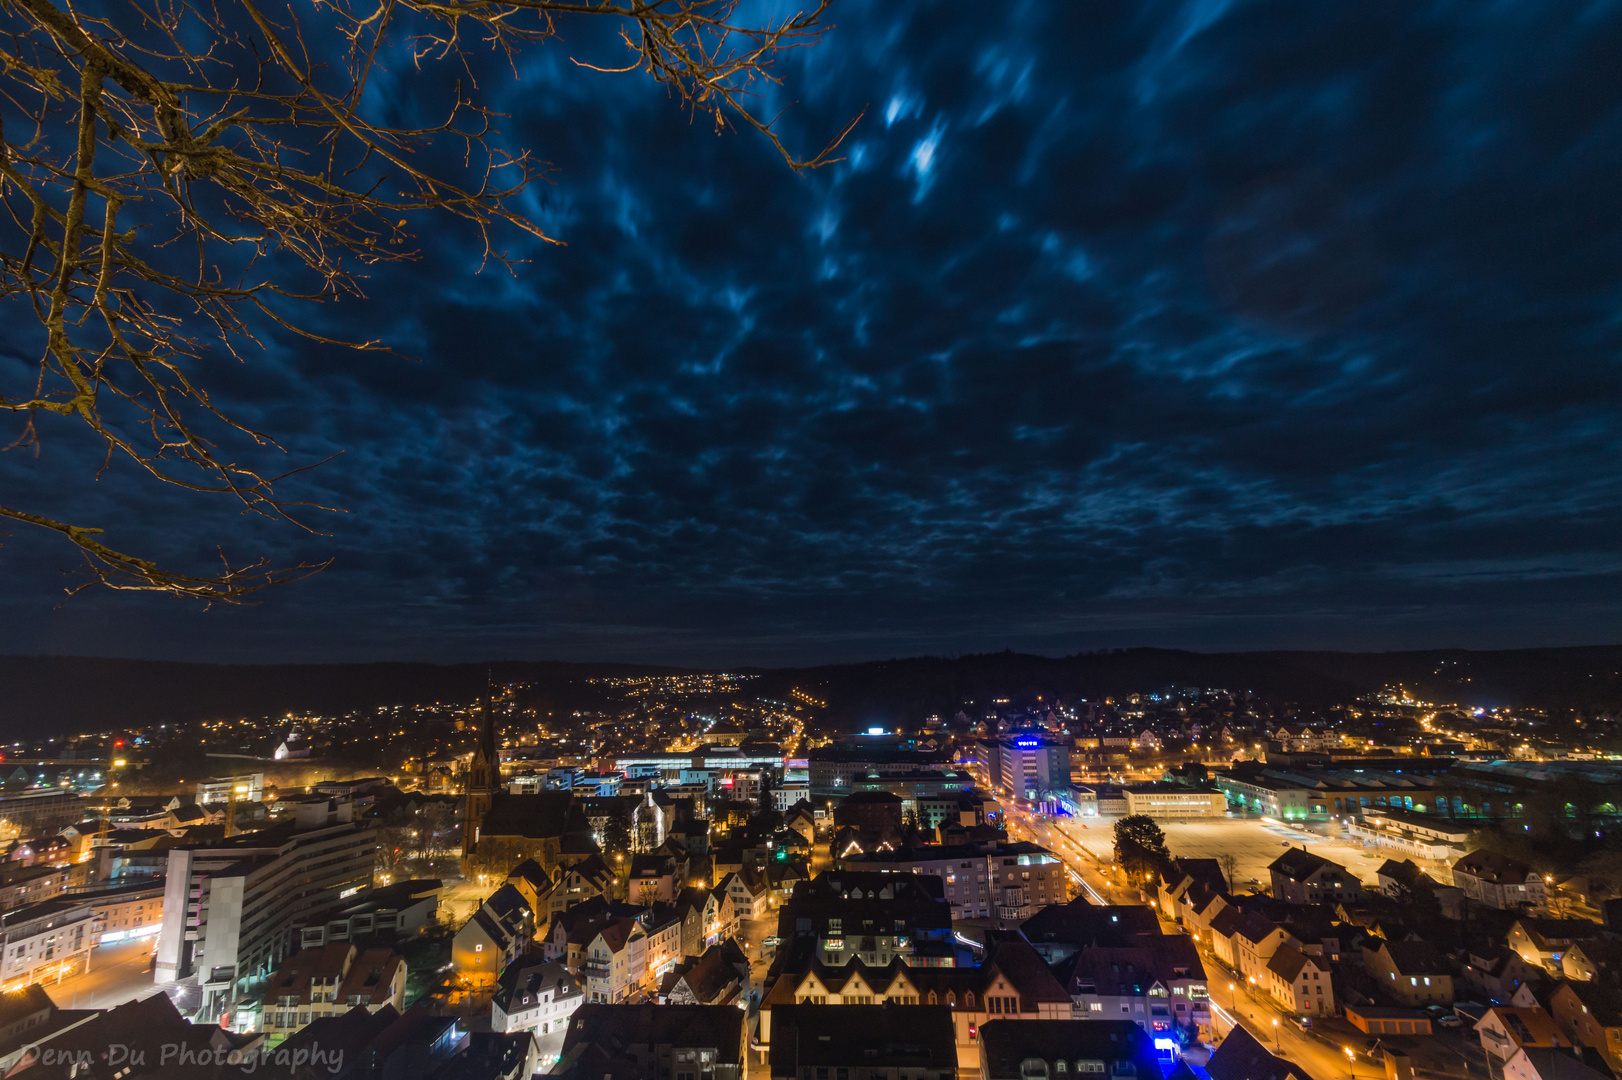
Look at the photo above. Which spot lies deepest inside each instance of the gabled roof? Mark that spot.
(531, 871)
(592, 869)
(533, 980)
(1493, 868)
(1083, 924)
(508, 904)
(1528, 1027)
(917, 1039)
(1288, 962)
(623, 1026)
(1416, 958)
(708, 978)
(1603, 1002)
(617, 932)
(1299, 864)
(1241, 1057)
(1006, 1044)
(1550, 1063)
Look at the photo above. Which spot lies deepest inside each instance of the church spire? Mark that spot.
(483, 777)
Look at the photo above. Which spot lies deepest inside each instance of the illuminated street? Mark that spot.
(118, 973)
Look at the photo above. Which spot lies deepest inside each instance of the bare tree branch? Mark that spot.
(243, 131)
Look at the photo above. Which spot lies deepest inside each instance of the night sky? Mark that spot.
(1218, 325)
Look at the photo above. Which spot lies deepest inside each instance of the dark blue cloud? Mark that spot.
(1205, 323)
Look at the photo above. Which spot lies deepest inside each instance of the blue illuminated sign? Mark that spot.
(1027, 743)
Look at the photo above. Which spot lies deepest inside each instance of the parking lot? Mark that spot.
(1254, 844)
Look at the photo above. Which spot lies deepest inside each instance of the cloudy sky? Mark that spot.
(1212, 324)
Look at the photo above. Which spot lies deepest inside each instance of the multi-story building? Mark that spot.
(1005, 881)
(498, 933)
(1158, 985)
(47, 940)
(1413, 972)
(1300, 982)
(1012, 982)
(657, 1042)
(1419, 836)
(1174, 801)
(248, 787)
(126, 912)
(229, 908)
(393, 911)
(1498, 881)
(1590, 1014)
(844, 915)
(1300, 877)
(615, 961)
(1031, 768)
(833, 770)
(538, 998)
(330, 981)
(1544, 941)
(1275, 795)
(863, 1042)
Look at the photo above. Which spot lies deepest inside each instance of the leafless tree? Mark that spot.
(182, 177)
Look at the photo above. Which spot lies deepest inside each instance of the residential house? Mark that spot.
(614, 962)
(1158, 986)
(1300, 877)
(863, 1042)
(726, 915)
(1179, 875)
(663, 924)
(751, 898)
(1413, 972)
(719, 977)
(1544, 941)
(1496, 972)
(539, 889)
(1011, 982)
(1300, 983)
(587, 878)
(499, 932)
(1590, 1014)
(1504, 1030)
(1400, 880)
(652, 878)
(538, 998)
(1246, 941)
(1498, 881)
(654, 1042)
(330, 981)
(1241, 1057)
(1553, 1064)
(1587, 959)
(850, 914)
(1026, 1049)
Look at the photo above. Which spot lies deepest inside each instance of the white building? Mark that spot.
(1175, 801)
(538, 998)
(47, 940)
(249, 787)
(229, 909)
(1414, 835)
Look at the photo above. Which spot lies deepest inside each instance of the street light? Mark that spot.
(1277, 1044)
(1351, 1061)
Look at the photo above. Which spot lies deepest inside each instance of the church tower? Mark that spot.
(483, 781)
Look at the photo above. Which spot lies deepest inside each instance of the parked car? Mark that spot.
(1449, 1021)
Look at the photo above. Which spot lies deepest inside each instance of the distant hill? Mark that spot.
(1587, 678)
(46, 694)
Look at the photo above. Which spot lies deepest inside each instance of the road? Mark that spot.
(118, 973)
(1087, 848)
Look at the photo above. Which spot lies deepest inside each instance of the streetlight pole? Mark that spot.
(1278, 1038)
